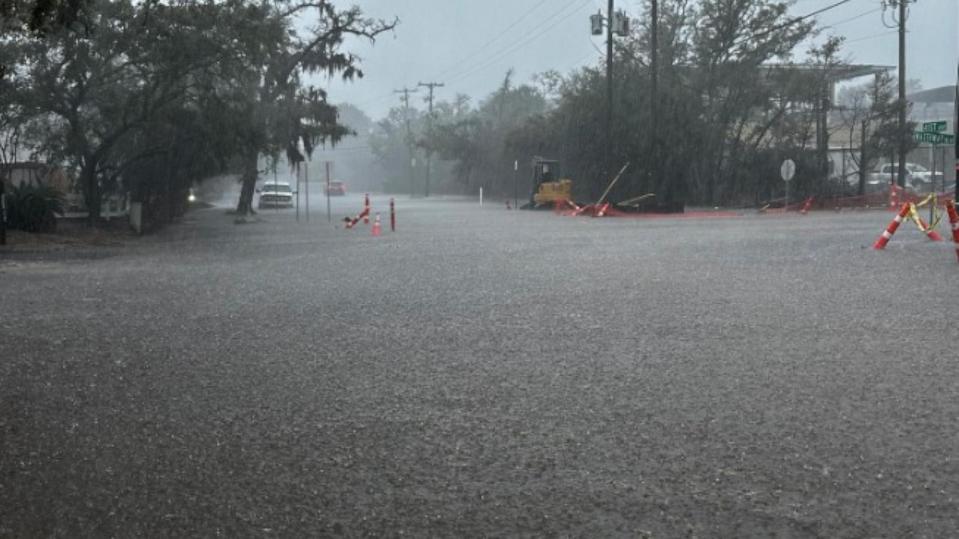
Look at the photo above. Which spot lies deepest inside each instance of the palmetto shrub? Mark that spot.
(33, 208)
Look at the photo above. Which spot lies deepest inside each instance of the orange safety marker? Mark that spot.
(377, 228)
(365, 214)
(806, 205)
(886, 235)
(366, 209)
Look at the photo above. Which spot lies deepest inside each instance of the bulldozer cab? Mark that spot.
(548, 186)
(544, 170)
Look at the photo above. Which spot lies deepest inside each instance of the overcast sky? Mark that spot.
(469, 44)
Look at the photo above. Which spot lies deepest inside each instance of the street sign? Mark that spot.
(934, 138)
(788, 170)
(934, 127)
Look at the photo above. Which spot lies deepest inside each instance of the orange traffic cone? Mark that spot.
(954, 222)
(882, 240)
(376, 226)
(923, 226)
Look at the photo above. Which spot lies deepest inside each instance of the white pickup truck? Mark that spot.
(276, 195)
(919, 179)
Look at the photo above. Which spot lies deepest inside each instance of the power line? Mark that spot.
(588, 56)
(469, 70)
(599, 50)
(528, 39)
(791, 22)
(377, 99)
(850, 19)
(482, 47)
(510, 47)
(873, 36)
(505, 51)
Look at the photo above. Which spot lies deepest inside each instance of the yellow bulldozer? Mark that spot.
(548, 186)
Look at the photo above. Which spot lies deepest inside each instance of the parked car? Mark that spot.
(336, 189)
(276, 195)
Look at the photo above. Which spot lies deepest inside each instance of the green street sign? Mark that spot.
(934, 138)
(934, 127)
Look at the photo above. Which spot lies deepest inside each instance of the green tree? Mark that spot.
(122, 86)
(870, 117)
(719, 103)
(393, 144)
(90, 87)
(278, 111)
(474, 140)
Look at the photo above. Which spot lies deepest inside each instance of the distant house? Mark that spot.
(31, 172)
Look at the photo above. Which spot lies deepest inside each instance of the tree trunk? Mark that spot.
(91, 189)
(248, 185)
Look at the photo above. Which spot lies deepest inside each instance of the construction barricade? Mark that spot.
(364, 216)
(910, 211)
(954, 224)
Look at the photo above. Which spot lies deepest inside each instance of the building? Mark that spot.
(31, 172)
(933, 105)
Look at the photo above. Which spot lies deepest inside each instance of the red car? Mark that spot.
(336, 189)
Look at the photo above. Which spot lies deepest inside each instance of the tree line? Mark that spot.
(732, 102)
(147, 97)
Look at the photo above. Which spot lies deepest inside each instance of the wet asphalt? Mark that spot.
(481, 372)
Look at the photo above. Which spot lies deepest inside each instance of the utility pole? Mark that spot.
(654, 91)
(429, 131)
(616, 23)
(821, 110)
(903, 142)
(607, 173)
(3, 214)
(409, 134)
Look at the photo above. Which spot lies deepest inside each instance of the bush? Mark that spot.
(33, 208)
